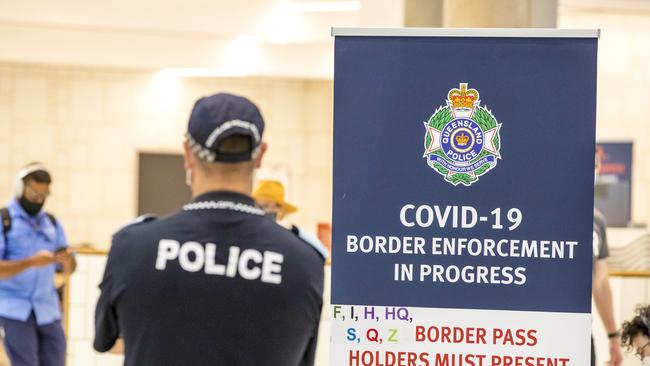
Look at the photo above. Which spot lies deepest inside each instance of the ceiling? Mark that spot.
(199, 37)
(222, 37)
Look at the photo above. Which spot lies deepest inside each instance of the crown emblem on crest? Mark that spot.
(462, 139)
(463, 101)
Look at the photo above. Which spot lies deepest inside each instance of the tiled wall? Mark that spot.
(87, 126)
(81, 324)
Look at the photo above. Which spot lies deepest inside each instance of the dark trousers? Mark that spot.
(30, 344)
(593, 352)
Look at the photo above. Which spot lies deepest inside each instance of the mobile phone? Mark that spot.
(61, 250)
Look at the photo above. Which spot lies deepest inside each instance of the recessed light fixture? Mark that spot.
(201, 72)
(324, 6)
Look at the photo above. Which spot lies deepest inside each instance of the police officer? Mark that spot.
(32, 241)
(218, 283)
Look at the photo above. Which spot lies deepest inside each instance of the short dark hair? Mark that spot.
(39, 176)
(235, 144)
(638, 325)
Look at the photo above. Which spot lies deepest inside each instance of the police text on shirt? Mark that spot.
(250, 264)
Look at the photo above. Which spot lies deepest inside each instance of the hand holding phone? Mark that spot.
(65, 257)
(62, 254)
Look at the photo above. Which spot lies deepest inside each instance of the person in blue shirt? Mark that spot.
(32, 243)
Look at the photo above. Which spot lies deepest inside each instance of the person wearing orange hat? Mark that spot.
(269, 196)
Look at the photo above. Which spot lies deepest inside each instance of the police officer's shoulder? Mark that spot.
(137, 222)
(310, 240)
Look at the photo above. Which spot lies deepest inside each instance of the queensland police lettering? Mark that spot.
(249, 264)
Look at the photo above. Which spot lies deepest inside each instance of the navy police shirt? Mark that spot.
(218, 283)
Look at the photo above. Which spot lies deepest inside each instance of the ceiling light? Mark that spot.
(201, 72)
(324, 6)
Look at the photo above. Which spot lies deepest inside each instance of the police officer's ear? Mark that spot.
(260, 154)
(189, 160)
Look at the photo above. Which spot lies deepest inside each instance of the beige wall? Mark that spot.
(623, 85)
(88, 124)
(623, 114)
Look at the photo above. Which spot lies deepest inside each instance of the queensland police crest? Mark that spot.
(462, 139)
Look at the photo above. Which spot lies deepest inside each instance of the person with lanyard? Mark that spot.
(219, 282)
(269, 195)
(32, 244)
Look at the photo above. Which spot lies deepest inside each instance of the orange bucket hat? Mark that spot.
(272, 190)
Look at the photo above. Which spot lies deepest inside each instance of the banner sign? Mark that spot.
(463, 197)
(613, 196)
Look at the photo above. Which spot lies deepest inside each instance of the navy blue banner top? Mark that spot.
(431, 131)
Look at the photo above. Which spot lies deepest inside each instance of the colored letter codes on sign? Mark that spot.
(463, 197)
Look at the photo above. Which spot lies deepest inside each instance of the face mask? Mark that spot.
(646, 361)
(30, 207)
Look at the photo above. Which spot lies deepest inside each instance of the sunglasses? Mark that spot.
(34, 195)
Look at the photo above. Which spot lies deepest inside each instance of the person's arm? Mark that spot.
(309, 357)
(67, 260)
(118, 347)
(10, 268)
(603, 299)
(107, 328)
(66, 257)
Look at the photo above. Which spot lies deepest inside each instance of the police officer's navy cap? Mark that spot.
(219, 116)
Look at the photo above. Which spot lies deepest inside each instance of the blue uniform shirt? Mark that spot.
(32, 289)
